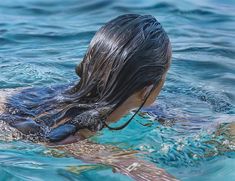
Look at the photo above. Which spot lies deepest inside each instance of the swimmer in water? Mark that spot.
(124, 68)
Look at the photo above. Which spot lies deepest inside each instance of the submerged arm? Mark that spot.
(125, 162)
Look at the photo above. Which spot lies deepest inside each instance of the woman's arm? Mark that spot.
(125, 162)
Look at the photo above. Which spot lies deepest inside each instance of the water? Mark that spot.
(42, 41)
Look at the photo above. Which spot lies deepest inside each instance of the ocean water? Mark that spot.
(42, 41)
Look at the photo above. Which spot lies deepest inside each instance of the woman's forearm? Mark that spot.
(125, 162)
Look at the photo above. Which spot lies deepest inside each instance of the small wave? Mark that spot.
(86, 7)
(221, 51)
(25, 37)
(218, 101)
(172, 8)
(162, 6)
(30, 10)
(7, 41)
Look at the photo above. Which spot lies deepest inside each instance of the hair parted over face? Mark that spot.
(125, 55)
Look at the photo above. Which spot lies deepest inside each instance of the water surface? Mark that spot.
(42, 41)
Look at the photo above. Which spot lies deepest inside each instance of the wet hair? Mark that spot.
(127, 54)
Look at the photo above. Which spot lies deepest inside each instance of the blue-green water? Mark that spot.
(42, 41)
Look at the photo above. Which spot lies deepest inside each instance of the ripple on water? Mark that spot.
(42, 41)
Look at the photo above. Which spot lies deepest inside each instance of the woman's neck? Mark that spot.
(122, 110)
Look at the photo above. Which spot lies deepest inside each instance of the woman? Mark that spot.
(124, 68)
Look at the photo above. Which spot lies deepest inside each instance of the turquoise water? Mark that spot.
(42, 41)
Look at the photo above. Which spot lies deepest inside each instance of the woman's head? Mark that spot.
(124, 67)
(128, 54)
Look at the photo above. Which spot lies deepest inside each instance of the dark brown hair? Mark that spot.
(125, 55)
